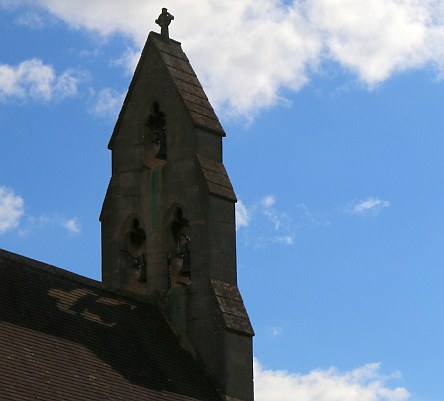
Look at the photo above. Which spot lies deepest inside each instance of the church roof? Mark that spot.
(185, 80)
(65, 337)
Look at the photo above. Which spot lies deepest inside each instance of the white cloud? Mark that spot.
(370, 205)
(268, 201)
(31, 20)
(275, 331)
(375, 38)
(271, 226)
(242, 215)
(248, 52)
(33, 222)
(361, 384)
(107, 103)
(11, 209)
(72, 225)
(38, 224)
(280, 220)
(128, 60)
(309, 219)
(38, 220)
(284, 239)
(67, 83)
(36, 80)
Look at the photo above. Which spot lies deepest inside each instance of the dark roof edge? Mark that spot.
(57, 271)
(210, 130)
(130, 89)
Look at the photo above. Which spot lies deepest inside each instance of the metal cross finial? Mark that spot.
(164, 20)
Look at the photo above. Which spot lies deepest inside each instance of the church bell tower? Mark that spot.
(168, 218)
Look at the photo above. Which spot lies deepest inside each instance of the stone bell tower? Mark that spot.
(168, 219)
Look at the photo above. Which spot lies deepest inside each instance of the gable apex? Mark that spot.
(184, 79)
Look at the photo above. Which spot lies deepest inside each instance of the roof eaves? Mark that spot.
(26, 262)
(130, 89)
(190, 89)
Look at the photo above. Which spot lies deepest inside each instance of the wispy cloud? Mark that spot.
(31, 20)
(12, 215)
(242, 215)
(32, 79)
(12, 209)
(268, 201)
(38, 224)
(275, 331)
(279, 220)
(107, 103)
(128, 60)
(371, 205)
(284, 239)
(266, 224)
(307, 218)
(372, 39)
(362, 384)
(72, 225)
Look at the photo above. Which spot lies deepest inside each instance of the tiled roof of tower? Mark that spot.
(186, 81)
(64, 337)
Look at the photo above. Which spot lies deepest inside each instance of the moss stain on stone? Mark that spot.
(154, 196)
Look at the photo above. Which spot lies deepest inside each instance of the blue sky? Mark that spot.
(333, 113)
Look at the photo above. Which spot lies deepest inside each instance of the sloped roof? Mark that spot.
(64, 337)
(216, 178)
(185, 80)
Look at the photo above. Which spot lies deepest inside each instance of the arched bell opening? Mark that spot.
(133, 258)
(155, 137)
(179, 250)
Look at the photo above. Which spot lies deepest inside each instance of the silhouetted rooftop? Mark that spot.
(65, 337)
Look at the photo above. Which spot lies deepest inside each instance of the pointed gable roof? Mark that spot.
(184, 79)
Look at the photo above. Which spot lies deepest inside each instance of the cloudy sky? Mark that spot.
(334, 116)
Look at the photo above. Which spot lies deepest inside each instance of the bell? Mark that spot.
(185, 271)
(156, 123)
(138, 236)
(162, 154)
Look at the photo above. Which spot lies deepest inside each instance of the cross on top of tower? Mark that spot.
(163, 21)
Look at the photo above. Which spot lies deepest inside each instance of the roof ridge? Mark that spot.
(54, 270)
(74, 277)
(183, 66)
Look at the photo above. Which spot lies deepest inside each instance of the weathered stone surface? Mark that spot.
(173, 48)
(216, 178)
(184, 76)
(192, 98)
(190, 88)
(206, 122)
(232, 307)
(206, 113)
(178, 63)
